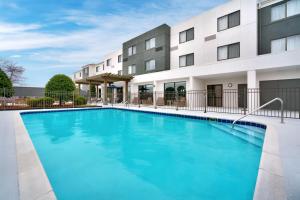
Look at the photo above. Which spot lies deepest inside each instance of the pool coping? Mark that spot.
(34, 182)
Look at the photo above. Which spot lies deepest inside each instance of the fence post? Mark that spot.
(245, 100)
(154, 100)
(176, 100)
(73, 99)
(44, 99)
(4, 97)
(205, 101)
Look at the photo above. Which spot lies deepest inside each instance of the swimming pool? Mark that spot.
(120, 154)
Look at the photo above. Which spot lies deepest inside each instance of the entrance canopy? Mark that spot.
(105, 79)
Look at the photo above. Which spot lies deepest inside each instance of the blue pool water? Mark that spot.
(112, 154)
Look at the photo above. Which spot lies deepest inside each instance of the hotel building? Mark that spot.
(237, 46)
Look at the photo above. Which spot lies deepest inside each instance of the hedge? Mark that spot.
(40, 102)
(80, 100)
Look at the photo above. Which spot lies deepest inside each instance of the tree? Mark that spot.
(60, 87)
(6, 88)
(13, 71)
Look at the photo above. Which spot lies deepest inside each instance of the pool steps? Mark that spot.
(247, 135)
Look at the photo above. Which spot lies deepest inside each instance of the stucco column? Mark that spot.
(195, 93)
(97, 92)
(126, 92)
(155, 84)
(90, 94)
(253, 91)
(114, 95)
(191, 83)
(251, 79)
(105, 93)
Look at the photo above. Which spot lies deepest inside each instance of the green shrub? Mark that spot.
(60, 87)
(80, 100)
(40, 102)
(6, 88)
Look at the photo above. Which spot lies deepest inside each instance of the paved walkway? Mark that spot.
(8, 161)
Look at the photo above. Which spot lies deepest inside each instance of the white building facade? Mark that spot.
(240, 45)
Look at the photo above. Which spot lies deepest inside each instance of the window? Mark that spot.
(150, 65)
(186, 35)
(120, 72)
(146, 92)
(186, 60)
(288, 9)
(293, 7)
(285, 44)
(229, 51)
(173, 88)
(131, 50)
(229, 21)
(108, 62)
(119, 58)
(278, 12)
(97, 69)
(222, 53)
(278, 45)
(293, 42)
(131, 69)
(86, 71)
(223, 23)
(80, 74)
(150, 43)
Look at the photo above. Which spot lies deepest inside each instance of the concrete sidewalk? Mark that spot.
(9, 189)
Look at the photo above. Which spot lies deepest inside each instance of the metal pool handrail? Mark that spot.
(276, 99)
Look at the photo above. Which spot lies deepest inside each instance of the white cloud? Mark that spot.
(16, 56)
(106, 32)
(13, 28)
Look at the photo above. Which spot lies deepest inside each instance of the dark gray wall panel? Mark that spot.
(288, 90)
(268, 31)
(161, 53)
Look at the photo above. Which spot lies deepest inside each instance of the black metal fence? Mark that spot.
(59, 99)
(224, 101)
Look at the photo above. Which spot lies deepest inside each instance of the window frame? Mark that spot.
(108, 62)
(186, 33)
(148, 70)
(186, 55)
(119, 58)
(285, 3)
(149, 40)
(228, 45)
(286, 43)
(131, 66)
(228, 17)
(287, 10)
(132, 52)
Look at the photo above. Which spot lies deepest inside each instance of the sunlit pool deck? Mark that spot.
(23, 176)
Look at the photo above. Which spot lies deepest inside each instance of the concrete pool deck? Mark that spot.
(23, 177)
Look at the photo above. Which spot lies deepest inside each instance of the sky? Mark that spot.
(49, 37)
